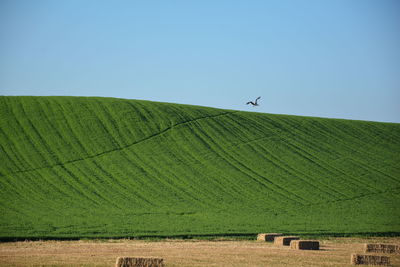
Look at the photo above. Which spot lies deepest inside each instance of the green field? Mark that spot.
(76, 167)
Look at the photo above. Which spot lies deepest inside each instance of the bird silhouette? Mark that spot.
(254, 103)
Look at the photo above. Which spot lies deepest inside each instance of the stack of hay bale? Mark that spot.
(363, 259)
(293, 241)
(305, 244)
(139, 262)
(285, 240)
(373, 259)
(268, 237)
(382, 248)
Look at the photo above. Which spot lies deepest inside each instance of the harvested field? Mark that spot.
(179, 253)
(382, 248)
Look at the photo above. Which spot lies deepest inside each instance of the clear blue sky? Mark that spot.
(338, 58)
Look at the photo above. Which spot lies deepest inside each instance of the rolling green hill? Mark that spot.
(74, 167)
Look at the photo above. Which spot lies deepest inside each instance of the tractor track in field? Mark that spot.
(393, 190)
(123, 147)
(101, 167)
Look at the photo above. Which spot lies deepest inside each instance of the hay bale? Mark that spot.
(284, 240)
(139, 262)
(382, 248)
(305, 244)
(359, 259)
(270, 237)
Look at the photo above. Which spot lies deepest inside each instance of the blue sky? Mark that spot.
(338, 59)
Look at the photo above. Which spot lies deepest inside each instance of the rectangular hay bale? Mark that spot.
(361, 259)
(139, 262)
(382, 248)
(270, 237)
(305, 244)
(285, 240)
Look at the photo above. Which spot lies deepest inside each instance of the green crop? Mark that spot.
(76, 167)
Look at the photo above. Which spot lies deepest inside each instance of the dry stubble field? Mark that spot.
(334, 252)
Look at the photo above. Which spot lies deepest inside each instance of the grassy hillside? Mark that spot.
(103, 167)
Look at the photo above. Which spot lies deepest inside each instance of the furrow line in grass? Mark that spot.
(73, 189)
(288, 128)
(9, 206)
(127, 134)
(49, 182)
(15, 146)
(45, 117)
(257, 148)
(73, 141)
(113, 180)
(40, 138)
(389, 134)
(91, 182)
(85, 146)
(103, 124)
(326, 166)
(256, 173)
(27, 185)
(216, 148)
(80, 187)
(183, 182)
(353, 135)
(81, 192)
(262, 180)
(282, 135)
(347, 136)
(394, 179)
(394, 190)
(8, 149)
(26, 137)
(293, 172)
(208, 141)
(152, 171)
(314, 130)
(72, 194)
(101, 175)
(148, 175)
(233, 162)
(72, 131)
(109, 113)
(249, 123)
(142, 113)
(215, 184)
(285, 192)
(127, 146)
(131, 185)
(12, 190)
(309, 157)
(379, 135)
(223, 182)
(312, 133)
(200, 144)
(299, 135)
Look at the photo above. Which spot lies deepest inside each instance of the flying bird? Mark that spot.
(254, 103)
